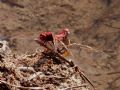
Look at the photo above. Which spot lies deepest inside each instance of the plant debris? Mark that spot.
(38, 73)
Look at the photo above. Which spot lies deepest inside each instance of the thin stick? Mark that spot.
(84, 77)
(42, 75)
(52, 76)
(27, 69)
(84, 46)
(83, 85)
(22, 87)
(34, 75)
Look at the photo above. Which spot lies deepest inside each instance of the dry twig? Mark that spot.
(22, 87)
(73, 87)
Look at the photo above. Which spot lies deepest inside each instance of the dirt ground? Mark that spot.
(92, 22)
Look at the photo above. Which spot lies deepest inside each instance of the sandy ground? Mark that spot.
(92, 22)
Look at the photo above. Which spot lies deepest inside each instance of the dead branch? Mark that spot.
(73, 87)
(27, 69)
(22, 87)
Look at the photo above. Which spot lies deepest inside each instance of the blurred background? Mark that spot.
(95, 23)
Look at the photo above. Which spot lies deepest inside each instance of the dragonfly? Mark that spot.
(60, 44)
(57, 43)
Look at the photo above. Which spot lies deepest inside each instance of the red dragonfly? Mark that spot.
(60, 44)
(54, 42)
